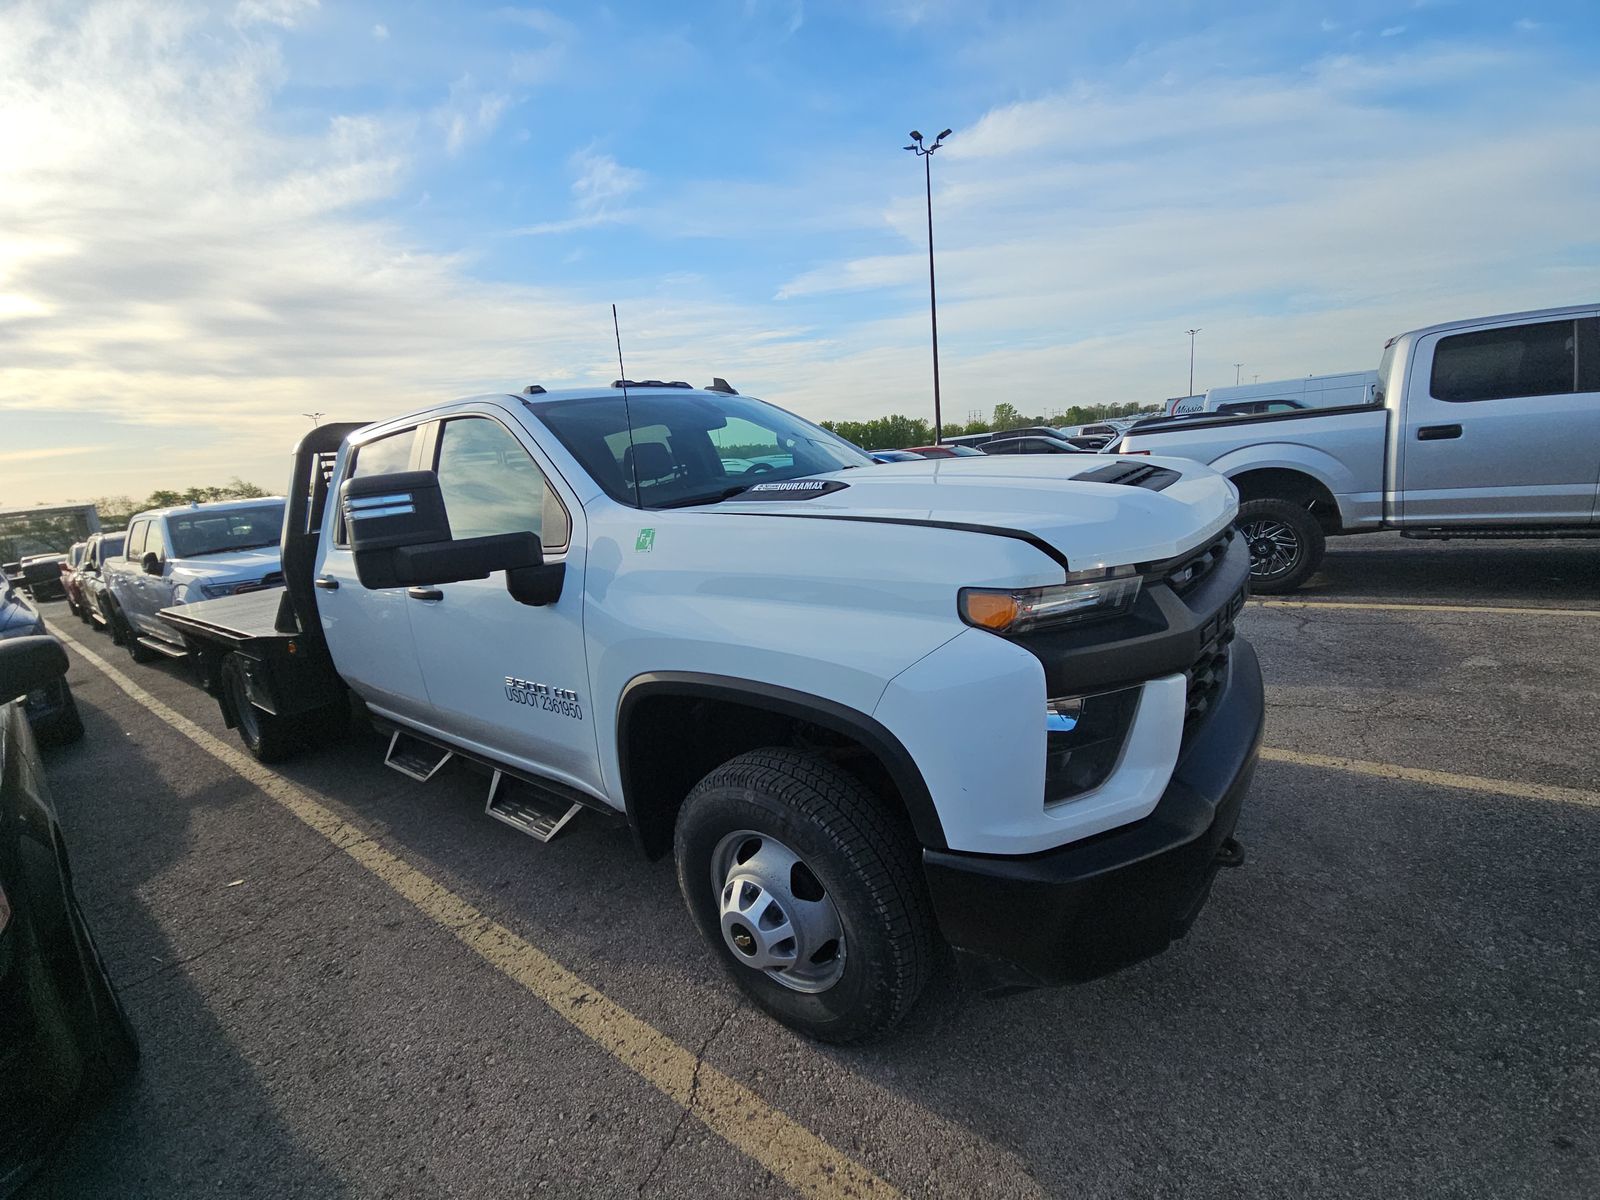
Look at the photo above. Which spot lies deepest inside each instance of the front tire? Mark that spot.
(65, 727)
(269, 738)
(1286, 544)
(808, 889)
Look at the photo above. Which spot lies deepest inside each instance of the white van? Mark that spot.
(1314, 391)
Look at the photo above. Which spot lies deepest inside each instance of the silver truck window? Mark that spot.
(135, 548)
(1496, 364)
(218, 531)
(381, 456)
(491, 485)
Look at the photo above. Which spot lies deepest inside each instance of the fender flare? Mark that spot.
(852, 723)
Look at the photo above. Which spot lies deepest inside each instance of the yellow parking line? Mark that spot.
(1444, 779)
(1502, 610)
(790, 1151)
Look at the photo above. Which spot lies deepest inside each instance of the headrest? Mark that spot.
(647, 461)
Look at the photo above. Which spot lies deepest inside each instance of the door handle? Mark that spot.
(425, 593)
(1437, 433)
(326, 584)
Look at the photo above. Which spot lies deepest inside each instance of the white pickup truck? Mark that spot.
(186, 554)
(993, 701)
(1485, 428)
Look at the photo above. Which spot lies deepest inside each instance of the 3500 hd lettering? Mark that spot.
(994, 704)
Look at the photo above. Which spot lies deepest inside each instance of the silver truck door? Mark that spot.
(369, 630)
(509, 679)
(1499, 429)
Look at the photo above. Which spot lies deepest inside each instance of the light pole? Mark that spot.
(1237, 367)
(316, 418)
(1192, 332)
(926, 154)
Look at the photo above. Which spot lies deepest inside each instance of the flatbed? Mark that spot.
(236, 621)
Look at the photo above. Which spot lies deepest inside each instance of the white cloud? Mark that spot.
(1526, 25)
(380, 32)
(1392, 31)
(599, 186)
(469, 115)
(284, 13)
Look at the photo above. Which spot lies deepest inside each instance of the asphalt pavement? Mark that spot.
(1399, 994)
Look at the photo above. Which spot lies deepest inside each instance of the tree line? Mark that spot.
(22, 534)
(899, 431)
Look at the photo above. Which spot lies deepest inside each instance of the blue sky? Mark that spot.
(214, 218)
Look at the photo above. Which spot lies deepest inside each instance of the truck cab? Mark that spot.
(993, 701)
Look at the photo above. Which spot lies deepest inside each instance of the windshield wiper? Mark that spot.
(711, 498)
(227, 549)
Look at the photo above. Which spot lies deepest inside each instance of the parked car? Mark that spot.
(41, 576)
(1482, 428)
(69, 578)
(184, 555)
(65, 1040)
(1031, 444)
(947, 451)
(892, 456)
(1254, 408)
(92, 578)
(50, 706)
(575, 595)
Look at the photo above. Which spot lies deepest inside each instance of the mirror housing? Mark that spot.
(28, 663)
(151, 563)
(400, 537)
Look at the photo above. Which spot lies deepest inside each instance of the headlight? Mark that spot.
(1090, 596)
(213, 591)
(1083, 741)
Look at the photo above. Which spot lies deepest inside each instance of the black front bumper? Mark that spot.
(1096, 906)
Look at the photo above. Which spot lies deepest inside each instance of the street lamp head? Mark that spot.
(915, 136)
(942, 136)
(913, 146)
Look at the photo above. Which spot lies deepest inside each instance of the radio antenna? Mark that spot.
(627, 409)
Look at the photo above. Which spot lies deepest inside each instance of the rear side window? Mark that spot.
(491, 485)
(1496, 364)
(382, 456)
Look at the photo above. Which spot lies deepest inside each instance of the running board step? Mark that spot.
(166, 648)
(528, 808)
(414, 757)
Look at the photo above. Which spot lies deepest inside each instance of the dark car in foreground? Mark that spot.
(64, 1037)
(50, 706)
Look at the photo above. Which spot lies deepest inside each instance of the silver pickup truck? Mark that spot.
(1484, 428)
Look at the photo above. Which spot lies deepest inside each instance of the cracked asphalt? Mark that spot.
(1399, 994)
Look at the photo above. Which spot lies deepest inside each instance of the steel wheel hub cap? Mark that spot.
(776, 915)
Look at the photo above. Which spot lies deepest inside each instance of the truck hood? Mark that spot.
(1093, 524)
(230, 565)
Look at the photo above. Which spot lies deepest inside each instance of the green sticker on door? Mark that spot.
(646, 542)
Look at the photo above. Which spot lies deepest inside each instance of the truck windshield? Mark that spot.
(217, 531)
(691, 448)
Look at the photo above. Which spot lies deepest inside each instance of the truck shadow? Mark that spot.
(1387, 567)
(194, 1119)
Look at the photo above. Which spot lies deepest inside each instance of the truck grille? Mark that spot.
(1206, 674)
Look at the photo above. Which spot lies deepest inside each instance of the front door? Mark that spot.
(1502, 425)
(508, 679)
(369, 631)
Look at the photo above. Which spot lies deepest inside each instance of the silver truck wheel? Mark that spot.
(808, 887)
(776, 916)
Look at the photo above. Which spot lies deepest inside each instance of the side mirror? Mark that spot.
(151, 563)
(28, 663)
(400, 537)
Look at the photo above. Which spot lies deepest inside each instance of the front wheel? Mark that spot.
(809, 891)
(1286, 544)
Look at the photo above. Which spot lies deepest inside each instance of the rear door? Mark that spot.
(369, 631)
(1502, 425)
(507, 678)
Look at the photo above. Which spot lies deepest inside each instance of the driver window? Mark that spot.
(154, 543)
(135, 545)
(491, 485)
